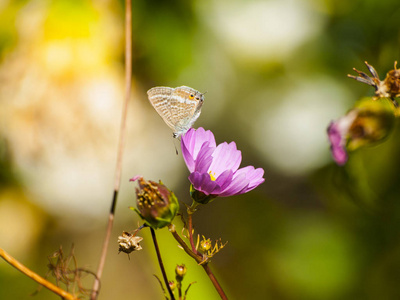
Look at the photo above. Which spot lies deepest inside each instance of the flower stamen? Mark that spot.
(212, 175)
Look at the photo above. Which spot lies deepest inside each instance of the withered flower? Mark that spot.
(156, 204)
(129, 242)
(387, 88)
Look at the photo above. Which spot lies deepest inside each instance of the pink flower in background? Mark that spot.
(337, 134)
(214, 170)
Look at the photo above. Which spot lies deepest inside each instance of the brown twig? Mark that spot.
(118, 168)
(214, 280)
(16, 264)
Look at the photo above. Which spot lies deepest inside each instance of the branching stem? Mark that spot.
(47, 284)
(199, 259)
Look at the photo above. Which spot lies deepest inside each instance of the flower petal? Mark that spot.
(225, 179)
(337, 134)
(203, 183)
(194, 139)
(204, 158)
(244, 180)
(187, 157)
(225, 157)
(192, 142)
(255, 177)
(238, 183)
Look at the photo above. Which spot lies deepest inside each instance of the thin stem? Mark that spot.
(185, 247)
(199, 259)
(118, 168)
(215, 282)
(190, 229)
(16, 264)
(190, 212)
(153, 235)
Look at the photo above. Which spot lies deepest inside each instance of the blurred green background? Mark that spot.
(275, 76)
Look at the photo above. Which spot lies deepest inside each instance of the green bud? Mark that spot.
(156, 204)
(180, 272)
(200, 197)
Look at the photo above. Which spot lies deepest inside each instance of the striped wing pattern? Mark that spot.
(179, 107)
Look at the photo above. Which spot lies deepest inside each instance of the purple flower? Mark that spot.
(214, 170)
(337, 134)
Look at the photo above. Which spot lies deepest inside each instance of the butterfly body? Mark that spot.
(178, 107)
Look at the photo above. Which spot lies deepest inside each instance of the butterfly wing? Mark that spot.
(159, 99)
(179, 107)
(185, 104)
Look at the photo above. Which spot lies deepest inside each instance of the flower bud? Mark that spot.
(368, 123)
(156, 204)
(180, 272)
(200, 197)
(172, 285)
(374, 121)
(205, 244)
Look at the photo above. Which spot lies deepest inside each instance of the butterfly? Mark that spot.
(178, 107)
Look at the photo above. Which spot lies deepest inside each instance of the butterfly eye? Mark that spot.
(191, 97)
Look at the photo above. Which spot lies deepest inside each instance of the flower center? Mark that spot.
(212, 175)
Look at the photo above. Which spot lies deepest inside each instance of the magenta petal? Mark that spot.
(254, 176)
(238, 183)
(334, 134)
(339, 155)
(194, 139)
(135, 178)
(192, 142)
(337, 134)
(225, 179)
(204, 159)
(203, 183)
(187, 157)
(225, 157)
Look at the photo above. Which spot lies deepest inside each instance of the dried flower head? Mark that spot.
(388, 88)
(156, 204)
(129, 242)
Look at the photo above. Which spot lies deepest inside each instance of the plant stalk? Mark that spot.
(47, 284)
(118, 168)
(153, 235)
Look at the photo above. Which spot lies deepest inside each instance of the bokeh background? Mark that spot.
(275, 76)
